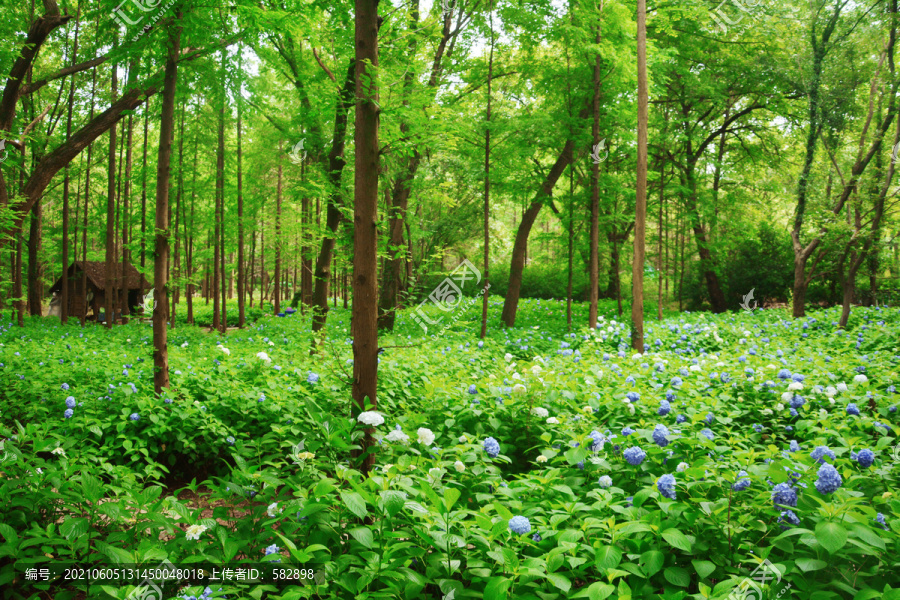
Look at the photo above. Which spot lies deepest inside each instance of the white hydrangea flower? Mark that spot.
(225, 350)
(831, 400)
(842, 387)
(426, 436)
(459, 466)
(588, 409)
(860, 378)
(830, 391)
(694, 367)
(786, 397)
(541, 458)
(371, 418)
(796, 385)
(193, 532)
(552, 421)
(823, 414)
(508, 357)
(767, 411)
(397, 436)
(59, 451)
(631, 408)
(536, 369)
(263, 356)
(747, 333)
(681, 467)
(435, 473)
(463, 439)
(272, 510)
(605, 481)
(541, 412)
(779, 407)
(519, 389)
(517, 377)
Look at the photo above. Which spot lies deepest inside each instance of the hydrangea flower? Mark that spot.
(879, 518)
(659, 435)
(627, 430)
(666, 486)
(492, 447)
(194, 531)
(742, 483)
(459, 466)
(64, 386)
(852, 409)
(397, 435)
(664, 408)
(757, 428)
(788, 516)
(134, 416)
(821, 451)
(708, 434)
(633, 396)
(472, 389)
(682, 466)
(230, 440)
(370, 418)
(680, 419)
(536, 537)
(426, 436)
(710, 418)
(312, 378)
(829, 479)
(519, 525)
(784, 495)
(70, 402)
(634, 455)
(865, 458)
(541, 412)
(605, 481)
(68, 414)
(797, 401)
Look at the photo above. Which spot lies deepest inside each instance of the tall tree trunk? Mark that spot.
(176, 262)
(487, 184)
(640, 218)
(241, 275)
(35, 268)
(190, 238)
(160, 266)
(517, 263)
(571, 247)
(220, 192)
(64, 292)
(126, 221)
(593, 296)
(144, 187)
(277, 294)
(87, 196)
(111, 214)
(659, 241)
(364, 323)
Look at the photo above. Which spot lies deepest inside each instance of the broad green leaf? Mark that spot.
(703, 568)
(560, 581)
(677, 539)
(354, 503)
(608, 557)
(653, 561)
(451, 495)
(831, 536)
(677, 576)
(364, 536)
(810, 564)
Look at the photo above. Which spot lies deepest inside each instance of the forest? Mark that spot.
(525, 299)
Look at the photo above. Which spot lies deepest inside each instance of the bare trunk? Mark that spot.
(111, 215)
(241, 275)
(277, 293)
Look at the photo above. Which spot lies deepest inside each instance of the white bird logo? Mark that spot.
(4, 152)
(148, 303)
(450, 595)
(447, 6)
(597, 149)
(893, 153)
(746, 303)
(297, 153)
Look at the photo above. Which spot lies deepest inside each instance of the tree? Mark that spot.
(640, 217)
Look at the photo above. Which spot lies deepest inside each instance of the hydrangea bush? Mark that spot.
(541, 463)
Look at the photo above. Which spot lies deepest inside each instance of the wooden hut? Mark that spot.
(94, 296)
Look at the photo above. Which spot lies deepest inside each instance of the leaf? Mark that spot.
(91, 488)
(496, 588)
(596, 591)
(703, 568)
(364, 536)
(677, 539)
(810, 564)
(608, 557)
(117, 555)
(831, 536)
(653, 561)
(451, 495)
(868, 536)
(74, 527)
(677, 576)
(354, 503)
(560, 581)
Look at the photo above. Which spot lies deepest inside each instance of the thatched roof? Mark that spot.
(96, 273)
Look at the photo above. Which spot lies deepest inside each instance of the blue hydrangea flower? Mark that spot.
(598, 441)
(492, 447)
(829, 479)
(797, 401)
(670, 395)
(795, 447)
(633, 396)
(865, 458)
(676, 382)
(879, 518)
(784, 373)
(634, 455)
(710, 418)
(70, 402)
(473, 389)
(230, 440)
(680, 419)
(664, 408)
(666, 486)
(605, 481)
(630, 379)
(627, 430)
(708, 434)
(892, 408)
(64, 386)
(821, 451)
(788, 516)
(312, 378)
(784, 495)
(757, 428)
(659, 435)
(852, 409)
(68, 414)
(168, 401)
(134, 416)
(742, 482)
(519, 525)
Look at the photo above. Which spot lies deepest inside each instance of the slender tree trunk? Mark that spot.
(126, 222)
(220, 191)
(87, 196)
(364, 323)
(176, 262)
(190, 238)
(659, 238)
(571, 246)
(487, 185)
(64, 292)
(241, 274)
(110, 214)
(595, 187)
(35, 268)
(160, 267)
(144, 187)
(277, 294)
(17, 283)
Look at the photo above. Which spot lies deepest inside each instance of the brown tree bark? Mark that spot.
(64, 292)
(277, 293)
(144, 188)
(640, 218)
(163, 175)
(111, 213)
(241, 275)
(364, 322)
(594, 292)
(487, 183)
(220, 192)
(126, 219)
